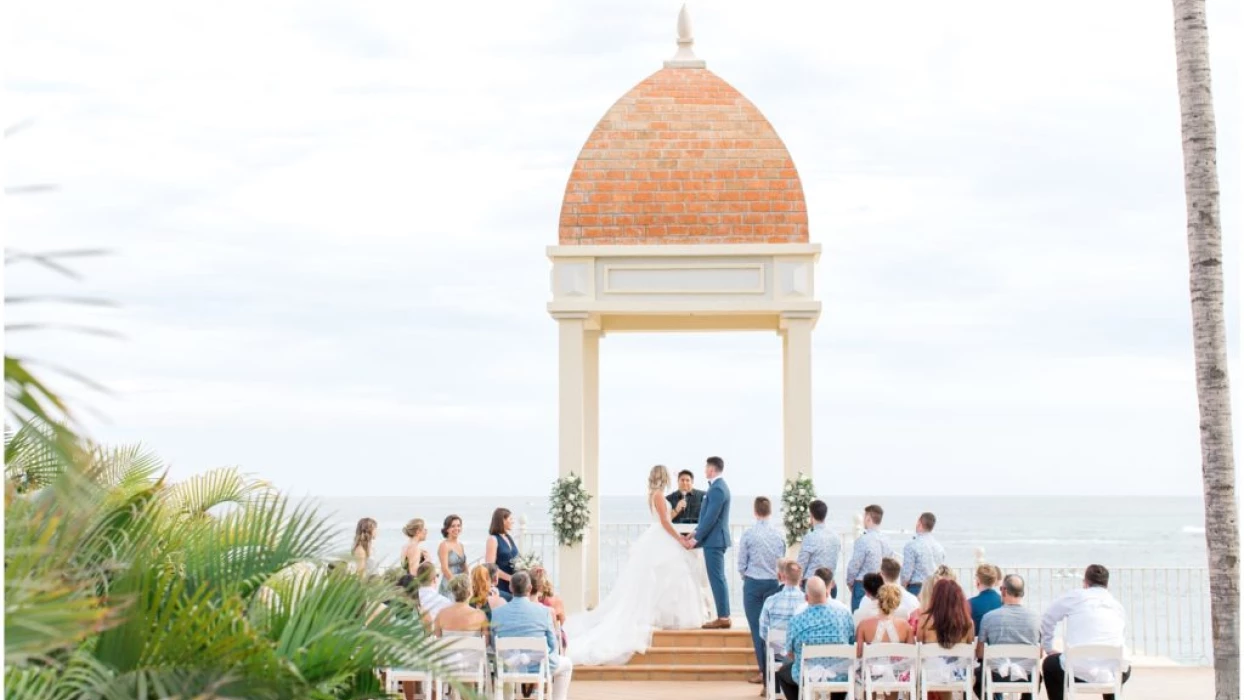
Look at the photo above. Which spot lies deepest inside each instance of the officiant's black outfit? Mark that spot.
(691, 514)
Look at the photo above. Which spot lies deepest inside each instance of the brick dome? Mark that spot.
(683, 158)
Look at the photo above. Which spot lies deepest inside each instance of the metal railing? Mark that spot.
(1167, 609)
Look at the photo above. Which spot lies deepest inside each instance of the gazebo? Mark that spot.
(683, 213)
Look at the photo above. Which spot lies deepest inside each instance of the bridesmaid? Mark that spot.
(414, 554)
(451, 553)
(501, 549)
(364, 536)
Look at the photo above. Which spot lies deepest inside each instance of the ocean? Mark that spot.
(1013, 531)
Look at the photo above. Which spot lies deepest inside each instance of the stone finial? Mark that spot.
(685, 58)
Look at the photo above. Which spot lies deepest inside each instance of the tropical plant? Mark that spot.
(120, 585)
(1209, 338)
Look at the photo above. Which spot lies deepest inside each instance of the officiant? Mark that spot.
(686, 501)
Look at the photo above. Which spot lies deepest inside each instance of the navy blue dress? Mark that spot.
(507, 552)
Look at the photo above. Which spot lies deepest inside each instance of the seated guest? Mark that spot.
(780, 607)
(1010, 624)
(685, 503)
(542, 593)
(521, 617)
(1093, 616)
(818, 624)
(459, 618)
(890, 568)
(987, 598)
(922, 555)
(484, 595)
(941, 573)
(885, 626)
(827, 575)
(821, 546)
(945, 623)
(760, 548)
(872, 584)
(431, 602)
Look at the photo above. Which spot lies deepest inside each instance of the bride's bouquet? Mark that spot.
(568, 509)
(797, 495)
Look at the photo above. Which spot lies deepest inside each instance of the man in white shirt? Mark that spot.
(431, 602)
(1093, 616)
(890, 570)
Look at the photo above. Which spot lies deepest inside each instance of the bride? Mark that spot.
(657, 588)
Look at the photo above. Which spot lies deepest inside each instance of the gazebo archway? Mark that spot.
(683, 213)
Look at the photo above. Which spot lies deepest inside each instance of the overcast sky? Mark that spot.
(329, 222)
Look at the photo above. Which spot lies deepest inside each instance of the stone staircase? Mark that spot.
(683, 655)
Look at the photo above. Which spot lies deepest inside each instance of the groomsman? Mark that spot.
(759, 550)
(921, 556)
(866, 554)
(685, 503)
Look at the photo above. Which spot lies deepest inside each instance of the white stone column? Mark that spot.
(591, 460)
(570, 383)
(797, 396)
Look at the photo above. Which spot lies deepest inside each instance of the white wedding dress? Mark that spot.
(657, 588)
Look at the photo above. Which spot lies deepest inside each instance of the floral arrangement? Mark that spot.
(797, 495)
(527, 562)
(568, 509)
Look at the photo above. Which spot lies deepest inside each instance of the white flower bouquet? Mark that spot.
(528, 561)
(797, 495)
(568, 509)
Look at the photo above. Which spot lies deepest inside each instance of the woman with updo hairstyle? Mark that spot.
(413, 554)
(881, 628)
(451, 554)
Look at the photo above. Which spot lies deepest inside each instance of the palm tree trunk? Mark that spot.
(1209, 337)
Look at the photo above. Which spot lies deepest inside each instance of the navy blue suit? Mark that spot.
(713, 534)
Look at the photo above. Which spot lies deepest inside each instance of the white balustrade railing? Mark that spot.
(1167, 608)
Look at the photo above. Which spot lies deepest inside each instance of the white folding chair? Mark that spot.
(946, 670)
(775, 647)
(1006, 656)
(818, 679)
(516, 659)
(889, 653)
(394, 677)
(467, 663)
(1097, 654)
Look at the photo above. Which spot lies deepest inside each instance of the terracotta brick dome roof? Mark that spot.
(683, 158)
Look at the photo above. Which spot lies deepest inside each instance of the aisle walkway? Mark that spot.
(1185, 683)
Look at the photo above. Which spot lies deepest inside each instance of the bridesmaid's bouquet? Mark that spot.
(568, 509)
(527, 562)
(797, 495)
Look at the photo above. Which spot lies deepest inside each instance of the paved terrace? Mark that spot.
(1147, 683)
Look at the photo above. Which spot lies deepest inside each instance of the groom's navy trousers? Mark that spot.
(715, 565)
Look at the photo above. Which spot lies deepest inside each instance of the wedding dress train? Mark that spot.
(657, 588)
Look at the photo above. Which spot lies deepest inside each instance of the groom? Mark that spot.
(713, 534)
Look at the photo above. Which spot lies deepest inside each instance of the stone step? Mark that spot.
(669, 672)
(693, 656)
(715, 639)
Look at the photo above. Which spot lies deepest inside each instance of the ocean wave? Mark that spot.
(1041, 541)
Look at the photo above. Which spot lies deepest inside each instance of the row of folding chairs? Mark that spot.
(474, 671)
(919, 682)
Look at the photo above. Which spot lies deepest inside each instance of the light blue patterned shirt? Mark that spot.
(819, 624)
(866, 555)
(921, 557)
(779, 608)
(759, 549)
(820, 548)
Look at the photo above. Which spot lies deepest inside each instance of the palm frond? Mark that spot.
(202, 492)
